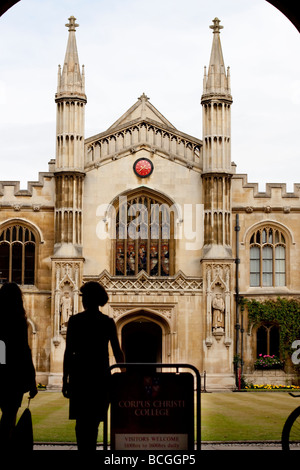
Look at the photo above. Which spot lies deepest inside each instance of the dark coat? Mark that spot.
(17, 375)
(86, 362)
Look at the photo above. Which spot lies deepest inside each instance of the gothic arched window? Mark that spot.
(267, 258)
(267, 340)
(17, 255)
(144, 236)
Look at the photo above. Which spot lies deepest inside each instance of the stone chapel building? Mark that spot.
(151, 213)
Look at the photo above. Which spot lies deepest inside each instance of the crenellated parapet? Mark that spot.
(38, 193)
(247, 196)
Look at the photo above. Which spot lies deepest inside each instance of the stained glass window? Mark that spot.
(144, 236)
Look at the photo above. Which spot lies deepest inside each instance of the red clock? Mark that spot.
(143, 167)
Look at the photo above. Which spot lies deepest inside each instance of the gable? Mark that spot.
(143, 127)
(144, 110)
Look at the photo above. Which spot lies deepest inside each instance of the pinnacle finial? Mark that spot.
(216, 25)
(143, 97)
(72, 25)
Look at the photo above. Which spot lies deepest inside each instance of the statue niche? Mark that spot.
(218, 316)
(218, 312)
(66, 309)
(65, 296)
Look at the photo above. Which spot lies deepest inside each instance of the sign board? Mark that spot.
(153, 411)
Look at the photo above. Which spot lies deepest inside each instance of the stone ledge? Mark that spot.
(274, 377)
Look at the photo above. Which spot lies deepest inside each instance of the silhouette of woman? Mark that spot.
(17, 373)
(86, 362)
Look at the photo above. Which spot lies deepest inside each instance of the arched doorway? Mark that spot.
(142, 341)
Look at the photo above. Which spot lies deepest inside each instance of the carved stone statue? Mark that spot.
(65, 308)
(218, 313)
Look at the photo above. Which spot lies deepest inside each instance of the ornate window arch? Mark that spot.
(144, 238)
(268, 257)
(18, 247)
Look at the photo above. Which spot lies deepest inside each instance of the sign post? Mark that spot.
(153, 410)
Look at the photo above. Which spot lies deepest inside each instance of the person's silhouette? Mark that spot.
(17, 372)
(86, 363)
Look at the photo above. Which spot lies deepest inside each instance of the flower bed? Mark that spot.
(271, 387)
(268, 362)
(41, 386)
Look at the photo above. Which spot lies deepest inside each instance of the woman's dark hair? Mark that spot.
(11, 300)
(93, 294)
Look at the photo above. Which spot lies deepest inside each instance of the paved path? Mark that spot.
(242, 446)
(205, 446)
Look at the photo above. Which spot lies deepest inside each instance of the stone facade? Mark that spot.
(161, 236)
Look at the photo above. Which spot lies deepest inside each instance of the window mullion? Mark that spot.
(171, 245)
(136, 241)
(23, 264)
(260, 266)
(274, 265)
(136, 257)
(148, 233)
(10, 263)
(268, 341)
(126, 239)
(159, 243)
(125, 254)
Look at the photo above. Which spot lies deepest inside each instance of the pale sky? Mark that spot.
(160, 48)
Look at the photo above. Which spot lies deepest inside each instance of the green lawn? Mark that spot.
(230, 416)
(243, 416)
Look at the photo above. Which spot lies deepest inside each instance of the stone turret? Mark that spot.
(217, 172)
(69, 166)
(67, 261)
(217, 260)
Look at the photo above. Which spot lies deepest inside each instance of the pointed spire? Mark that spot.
(70, 79)
(216, 81)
